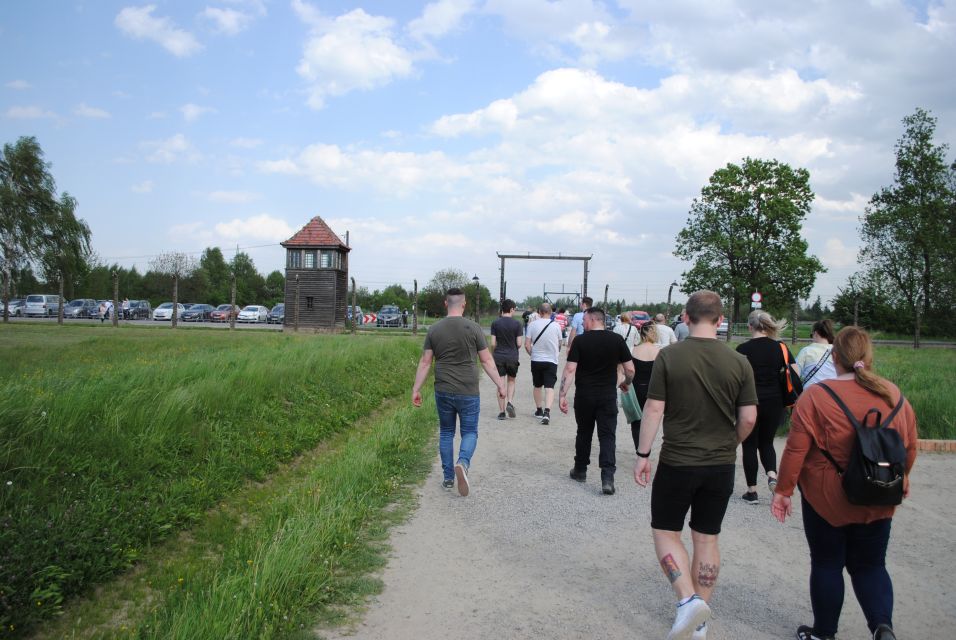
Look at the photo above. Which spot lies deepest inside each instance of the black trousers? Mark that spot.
(769, 417)
(599, 410)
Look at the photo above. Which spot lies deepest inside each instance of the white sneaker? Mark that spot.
(462, 474)
(701, 633)
(690, 615)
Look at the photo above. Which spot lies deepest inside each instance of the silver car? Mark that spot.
(44, 306)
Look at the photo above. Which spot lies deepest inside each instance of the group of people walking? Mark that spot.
(709, 400)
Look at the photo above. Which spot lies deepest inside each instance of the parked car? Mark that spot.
(14, 307)
(253, 313)
(389, 316)
(640, 318)
(358, 314)
(277, 315)
(165, 311)
(41, 306)
(223, 313)
(722, 328)
(198, 312)
(139, 310)
(80, 308)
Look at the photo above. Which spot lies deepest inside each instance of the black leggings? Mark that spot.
(640, 390)
(769, 414)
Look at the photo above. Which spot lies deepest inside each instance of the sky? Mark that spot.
(439, 134)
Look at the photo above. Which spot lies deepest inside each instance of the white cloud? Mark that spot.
(146, 186)
(355, 51)
(85, 111)
(263, 227)
(192, 112)
(838, 255)
(139, 23)
(29, 113)
(246, 143)
(19, 85)
(233, 197)
(440, 18)
(227, 21)
(173, 149)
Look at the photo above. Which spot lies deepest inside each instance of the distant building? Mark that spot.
(320, 261)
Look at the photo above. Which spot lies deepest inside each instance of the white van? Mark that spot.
(41, 305)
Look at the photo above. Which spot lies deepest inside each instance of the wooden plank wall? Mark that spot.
(329, 291)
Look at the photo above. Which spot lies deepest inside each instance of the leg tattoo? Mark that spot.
(707, 574)
(669, 565)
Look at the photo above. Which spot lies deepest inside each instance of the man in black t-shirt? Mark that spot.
(593, 361)
(507, 336)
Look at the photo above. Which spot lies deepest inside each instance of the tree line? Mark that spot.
(743, 234)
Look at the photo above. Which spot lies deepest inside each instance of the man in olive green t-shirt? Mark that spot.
(705, 394)
(455, 343)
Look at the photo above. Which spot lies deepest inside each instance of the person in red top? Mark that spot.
(838, 533)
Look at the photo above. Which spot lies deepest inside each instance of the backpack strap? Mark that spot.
(817, 366)
(535, 341)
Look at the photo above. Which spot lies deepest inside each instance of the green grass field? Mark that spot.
(111, 441)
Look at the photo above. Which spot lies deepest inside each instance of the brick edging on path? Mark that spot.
(942, 446)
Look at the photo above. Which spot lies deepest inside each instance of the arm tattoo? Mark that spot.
(707, 574)
(669, 565)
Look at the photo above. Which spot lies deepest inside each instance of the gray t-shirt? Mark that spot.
(702, 382)
(681, 331)
(456, 341)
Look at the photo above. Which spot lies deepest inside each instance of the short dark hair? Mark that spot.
(454, 291)
(704, 306)
(598, 312)
(507, 305)
(588, 300)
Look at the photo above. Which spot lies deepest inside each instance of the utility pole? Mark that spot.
(232, 303)
(354, 318)
(415, 309)
(115, 299)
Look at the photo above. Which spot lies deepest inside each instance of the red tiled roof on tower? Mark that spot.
(315, 234)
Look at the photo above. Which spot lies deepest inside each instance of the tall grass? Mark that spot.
(111, 440)
(927, 377)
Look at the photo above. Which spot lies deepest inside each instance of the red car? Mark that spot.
(222, 313)
(639, 318)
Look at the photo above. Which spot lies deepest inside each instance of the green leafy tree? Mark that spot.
(29, 208)
(275, 288)
(909, 228)
(250, 285)
(743, 235)
(176, 266)
(66, 252)
(432, 296)
(218, 276)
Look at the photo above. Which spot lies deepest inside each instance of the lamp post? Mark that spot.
(477, 298)
(669, 290)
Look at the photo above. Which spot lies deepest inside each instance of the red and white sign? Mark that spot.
(368, 318)
(756, 297)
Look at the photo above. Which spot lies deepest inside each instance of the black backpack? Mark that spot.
(874, 473)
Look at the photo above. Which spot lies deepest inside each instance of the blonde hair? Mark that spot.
(648, 332)
(853, 350)
(762, 321)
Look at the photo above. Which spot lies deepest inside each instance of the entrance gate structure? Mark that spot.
(503, 257)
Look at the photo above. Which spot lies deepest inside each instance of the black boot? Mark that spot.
(607, 482)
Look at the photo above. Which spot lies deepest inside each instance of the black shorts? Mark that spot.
(508, 368)
(544, 374)
(704, 490)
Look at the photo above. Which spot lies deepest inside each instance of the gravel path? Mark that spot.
(533, 554)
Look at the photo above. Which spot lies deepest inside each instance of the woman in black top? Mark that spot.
(764, 352)
(643, 355)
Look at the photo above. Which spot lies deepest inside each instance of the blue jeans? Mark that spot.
(861, 548)
(465, 408)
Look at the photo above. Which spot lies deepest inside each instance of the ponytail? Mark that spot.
(763, 321)
(853, 349)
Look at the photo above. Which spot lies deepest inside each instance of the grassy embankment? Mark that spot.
(112, 442)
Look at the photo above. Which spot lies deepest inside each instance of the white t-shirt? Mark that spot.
(809, 360)
(627, 331)
(547, 348)
(665, 335)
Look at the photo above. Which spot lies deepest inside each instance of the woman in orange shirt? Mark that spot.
(838, 533)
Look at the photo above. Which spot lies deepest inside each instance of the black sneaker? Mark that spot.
(750, 497)
(538, 413)
(447, 484)
(511, 411)
(607, 487)
(546, 419)
(884, 632)
(580, 476)
(501, 416)
(772, 483)
(806, 633)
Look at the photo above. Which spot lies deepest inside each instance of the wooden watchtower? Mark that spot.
(316, 278)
